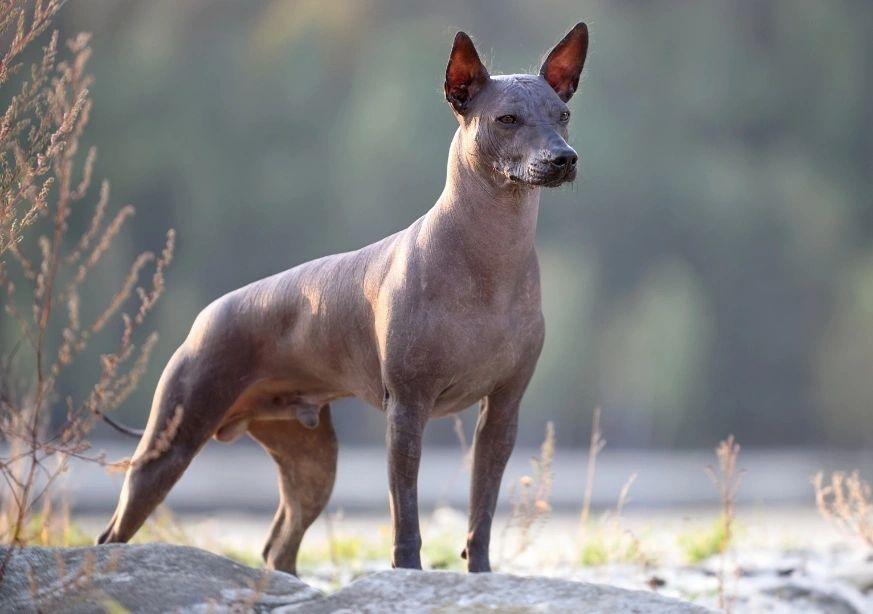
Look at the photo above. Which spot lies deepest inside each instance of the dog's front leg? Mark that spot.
(495, 438)
(405, 426)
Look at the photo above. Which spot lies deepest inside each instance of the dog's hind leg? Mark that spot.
(306, 460)
(184, 415)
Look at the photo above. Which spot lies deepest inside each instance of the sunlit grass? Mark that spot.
(54, 529)
(704, 543)
(442, 551)
(608, 542)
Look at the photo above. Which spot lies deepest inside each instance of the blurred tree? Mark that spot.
(697, 279)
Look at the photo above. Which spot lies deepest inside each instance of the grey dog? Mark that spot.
(421, 324)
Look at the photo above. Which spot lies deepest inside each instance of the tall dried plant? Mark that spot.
(595, 447)
(31, 138)
(726, 478)
(608, 540)
(44, 272)
(847, 503)
(530, 497)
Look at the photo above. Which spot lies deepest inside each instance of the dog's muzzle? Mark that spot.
(551, 175)
(561, 167)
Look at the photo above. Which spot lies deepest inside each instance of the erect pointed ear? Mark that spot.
(564, 63)
(465, 74)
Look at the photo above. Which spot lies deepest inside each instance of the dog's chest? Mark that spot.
(455, 345)
(490, 352)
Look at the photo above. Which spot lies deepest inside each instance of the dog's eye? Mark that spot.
(565, 116)
(507, 119)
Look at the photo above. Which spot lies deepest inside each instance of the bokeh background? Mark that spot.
(710, 273)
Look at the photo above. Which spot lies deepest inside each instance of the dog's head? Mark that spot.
(515, 126)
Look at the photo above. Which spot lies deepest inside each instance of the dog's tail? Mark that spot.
(121, 428)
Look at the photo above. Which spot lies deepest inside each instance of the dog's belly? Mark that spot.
(459, 397)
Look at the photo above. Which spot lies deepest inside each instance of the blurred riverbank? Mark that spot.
(241, 477)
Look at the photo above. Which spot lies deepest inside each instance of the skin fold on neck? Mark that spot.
(492, 219)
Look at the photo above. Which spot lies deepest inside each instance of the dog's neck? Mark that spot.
(491, 219)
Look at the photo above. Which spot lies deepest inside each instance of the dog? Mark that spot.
(421, 324)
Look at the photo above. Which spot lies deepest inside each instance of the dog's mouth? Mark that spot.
(543, 180)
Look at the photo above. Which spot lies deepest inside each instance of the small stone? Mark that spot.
(656, 582)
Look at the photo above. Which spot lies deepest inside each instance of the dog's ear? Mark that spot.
(465, 74)
(564, 63)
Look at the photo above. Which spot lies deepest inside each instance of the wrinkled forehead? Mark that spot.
(527, 93)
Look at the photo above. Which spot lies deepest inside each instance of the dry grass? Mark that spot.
(727, 478)
(32, 134)
(45, 270)
(76, 587)
(847, 503)
(530, 498)
(594, 448)
(610, 541)
(466, 448)
(607, 541)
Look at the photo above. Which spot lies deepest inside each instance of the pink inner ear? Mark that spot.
(564, 64)
(464, 74)
(459, 73)
(464, 64)
(561, 73)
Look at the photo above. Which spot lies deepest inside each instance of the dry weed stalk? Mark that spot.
(75, 586)
(530, 496)
(43, 273)
(466, 448)
(256, 589)
(847, 503)
(334, 544)
(727, 480)
(608, 541)
(31, 138)
(164, 526)
(594, 448)
(162, 444)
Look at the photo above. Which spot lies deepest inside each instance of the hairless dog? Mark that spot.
(421, 324)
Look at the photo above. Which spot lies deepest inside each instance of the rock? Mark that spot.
(163, 578)
(858, 574)
(810, 596)
(401, 591)
(146, 578)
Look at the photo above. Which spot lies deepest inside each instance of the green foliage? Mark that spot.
(594, 552)
(112, 606)
(245, 557)
(441, 551)
(699, 545)
(605, 544)
(54, 530)
(345, 552)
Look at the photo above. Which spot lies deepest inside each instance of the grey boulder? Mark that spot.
(402, 591)
(141, 578)
(164, 578)
(442, 591)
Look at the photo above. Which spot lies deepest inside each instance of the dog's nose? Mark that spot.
(568, 158)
